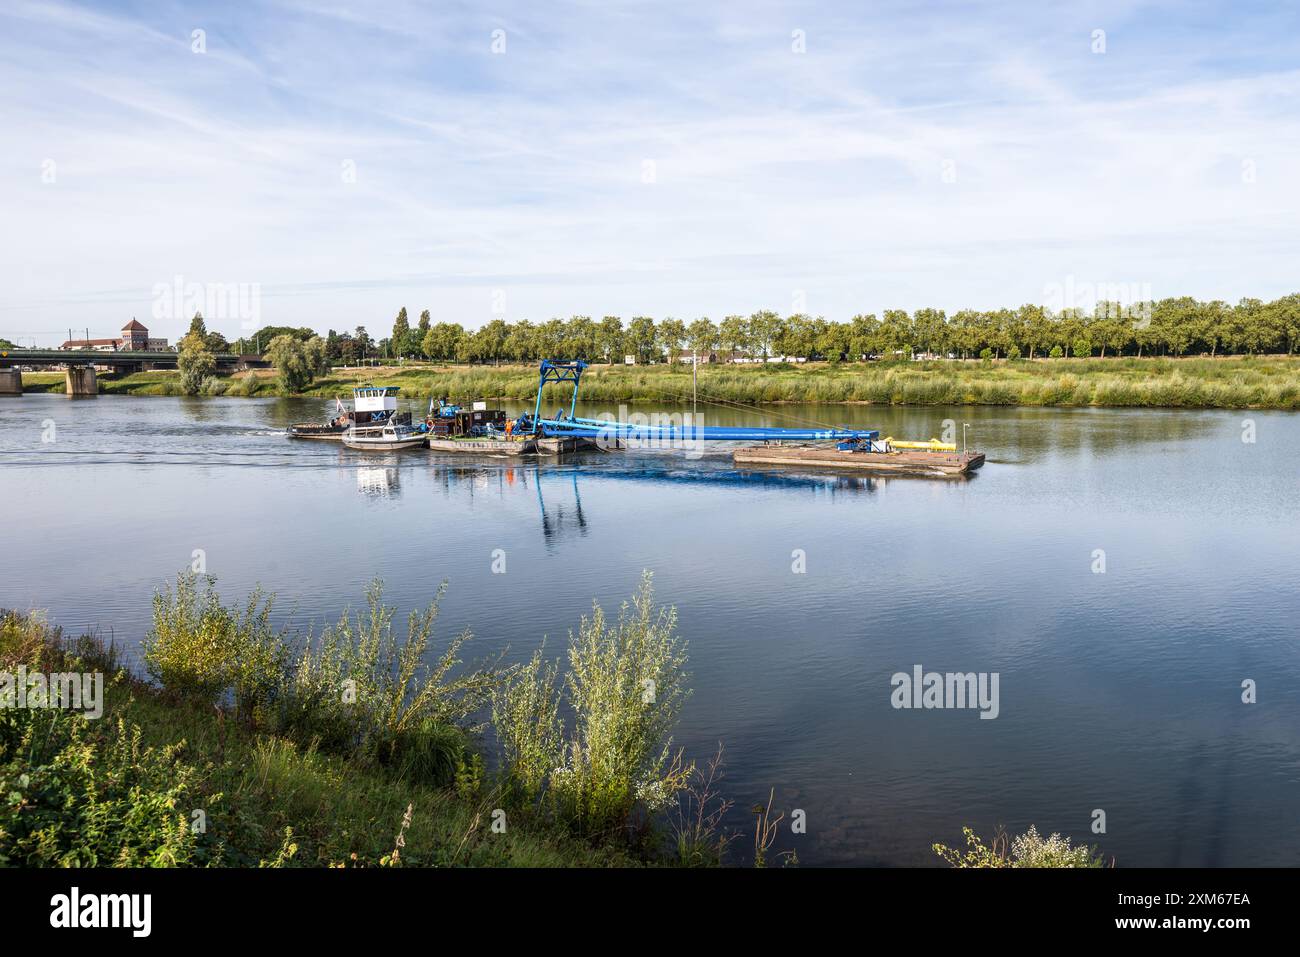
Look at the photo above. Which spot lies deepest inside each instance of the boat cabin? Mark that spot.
(453, 420)
(374, 403)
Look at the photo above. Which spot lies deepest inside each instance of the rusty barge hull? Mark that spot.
(903, 461)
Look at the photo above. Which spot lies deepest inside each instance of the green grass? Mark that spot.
(1271, 382)
(124, 789)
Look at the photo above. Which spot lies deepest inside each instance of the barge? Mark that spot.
(887, 459)
(817, 446)
(523, 445)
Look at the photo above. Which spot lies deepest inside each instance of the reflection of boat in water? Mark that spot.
(382, 481)
(391, 437)
(372, 408)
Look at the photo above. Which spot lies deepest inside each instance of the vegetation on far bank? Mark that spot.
(1259, 382)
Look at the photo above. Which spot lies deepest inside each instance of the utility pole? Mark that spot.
(695, 377)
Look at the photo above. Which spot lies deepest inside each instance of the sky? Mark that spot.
(327, 163)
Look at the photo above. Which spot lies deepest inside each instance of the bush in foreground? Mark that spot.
(1027, 850)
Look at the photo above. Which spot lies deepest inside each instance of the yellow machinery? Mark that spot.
(934, 445)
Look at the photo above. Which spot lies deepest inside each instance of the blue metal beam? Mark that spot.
(550, 371)
(599, 429)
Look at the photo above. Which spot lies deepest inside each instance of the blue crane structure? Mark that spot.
(573, 426)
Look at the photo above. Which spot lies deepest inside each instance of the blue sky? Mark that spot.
(665, 159)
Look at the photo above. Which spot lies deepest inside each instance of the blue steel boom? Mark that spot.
(576, 427)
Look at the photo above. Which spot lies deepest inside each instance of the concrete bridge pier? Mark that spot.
(81, 381)
(11, 381)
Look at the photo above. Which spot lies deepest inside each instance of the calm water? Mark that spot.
(1118, 691)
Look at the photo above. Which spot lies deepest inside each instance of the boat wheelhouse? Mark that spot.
(372, 407)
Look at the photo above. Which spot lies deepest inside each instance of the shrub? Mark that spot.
(201, 650)
(1027, 850)
(1013, 352)
(74, 796)
(624, 686)
(360, 690)
(526, 717)
(1056, 353)
(245, 385)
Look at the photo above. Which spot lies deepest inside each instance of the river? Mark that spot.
(1121, 571)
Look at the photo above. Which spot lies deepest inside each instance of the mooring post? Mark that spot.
(11, 381)
(81, 381)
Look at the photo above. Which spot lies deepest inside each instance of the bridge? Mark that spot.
(81, 363)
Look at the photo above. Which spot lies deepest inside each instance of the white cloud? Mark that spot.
(775, 171)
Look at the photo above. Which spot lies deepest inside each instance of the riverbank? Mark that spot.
(160, 779)
(249, 745)
(1271, 382)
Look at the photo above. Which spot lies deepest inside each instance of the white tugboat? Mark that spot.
(372, 408)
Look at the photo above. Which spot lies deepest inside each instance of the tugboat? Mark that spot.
(372, 408)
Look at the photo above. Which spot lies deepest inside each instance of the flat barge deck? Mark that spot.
(899, 461)
(521, 446)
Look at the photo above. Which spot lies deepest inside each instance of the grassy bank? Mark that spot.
(160, 780)
(1236, 383)
(247, 746)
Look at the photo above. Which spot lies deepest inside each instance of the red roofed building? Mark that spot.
(135, 338)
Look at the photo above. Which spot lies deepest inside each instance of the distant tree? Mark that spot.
(734, 333)
(441, 342)
(672, 333)
(416, 343)
(609, 338)
(765, 328)
(641, 336)
(193, 358)
(262, 337)
(365, 345)
(289, 356)
(702, 334)
(316, 355)
(401, 332)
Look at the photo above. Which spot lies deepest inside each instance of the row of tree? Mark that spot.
(1169, 327)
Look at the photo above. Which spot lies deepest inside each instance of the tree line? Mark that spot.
(1168, 327)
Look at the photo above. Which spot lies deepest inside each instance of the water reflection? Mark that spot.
(558, 483)
(379, 481)
(1128, 678)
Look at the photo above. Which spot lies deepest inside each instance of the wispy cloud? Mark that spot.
(679, 159)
